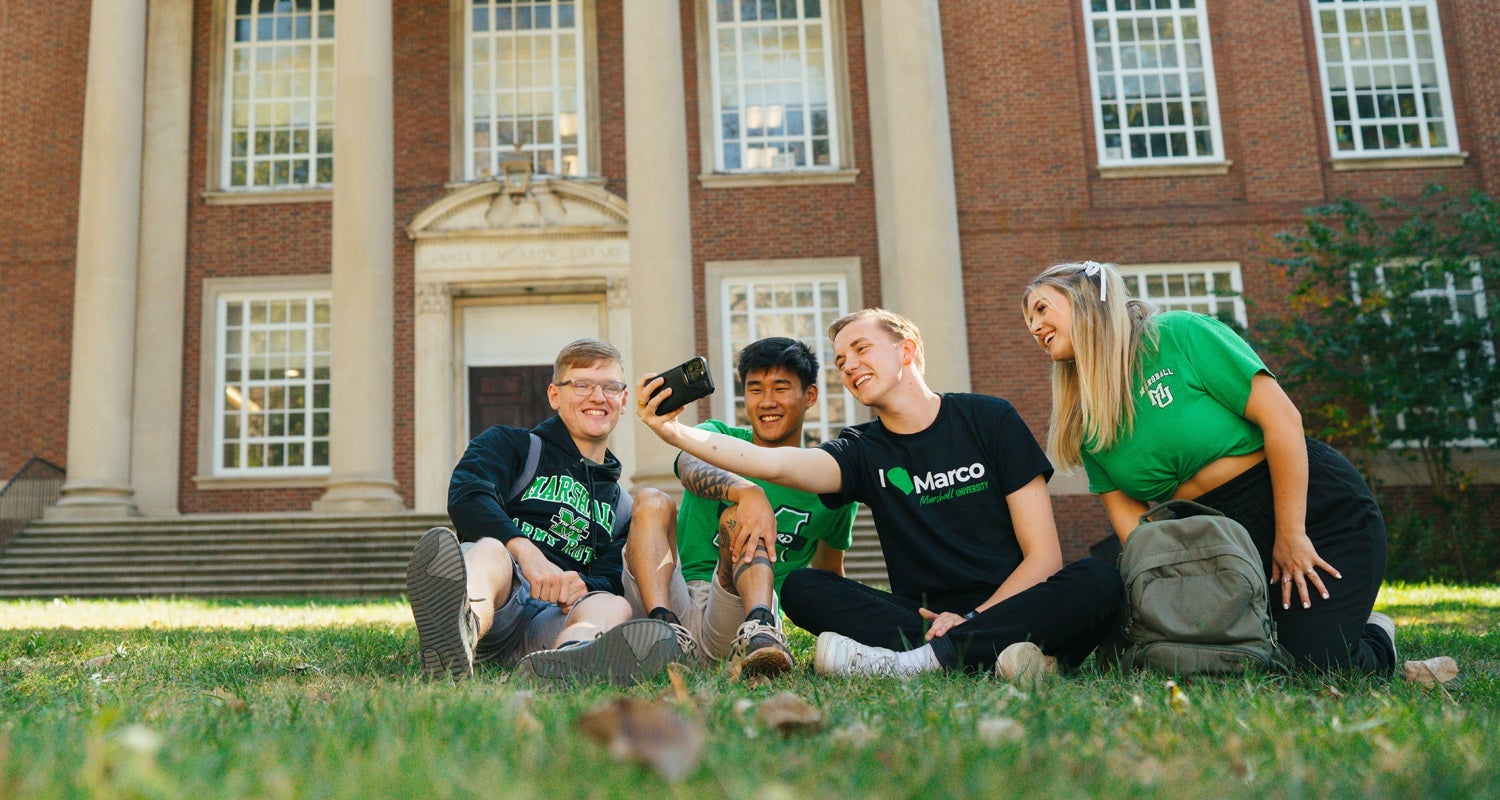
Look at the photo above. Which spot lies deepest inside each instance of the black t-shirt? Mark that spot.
(938, 495)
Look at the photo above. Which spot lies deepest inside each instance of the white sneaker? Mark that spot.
(840, 655)
(1024, 662)
(1388, 626)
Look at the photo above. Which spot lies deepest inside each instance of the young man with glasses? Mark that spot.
(532, 578)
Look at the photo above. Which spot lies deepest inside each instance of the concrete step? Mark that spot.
(224, 555)
(230, 555)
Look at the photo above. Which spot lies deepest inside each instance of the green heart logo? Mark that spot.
(900, 479)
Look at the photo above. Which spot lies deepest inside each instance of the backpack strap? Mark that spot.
(623, 504)
(533, 458)
(1170, 507)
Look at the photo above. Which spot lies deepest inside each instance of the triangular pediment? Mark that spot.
(550, 207)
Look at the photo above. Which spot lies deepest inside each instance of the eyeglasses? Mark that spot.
(583, 387)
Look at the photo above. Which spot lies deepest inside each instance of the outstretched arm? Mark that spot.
(808, 469)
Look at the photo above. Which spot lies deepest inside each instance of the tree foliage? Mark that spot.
(1390, 342)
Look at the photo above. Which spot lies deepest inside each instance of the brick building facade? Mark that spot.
(703, 172)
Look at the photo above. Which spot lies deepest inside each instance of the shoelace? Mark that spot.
(862, 662)
(685, 641)
(751, 628)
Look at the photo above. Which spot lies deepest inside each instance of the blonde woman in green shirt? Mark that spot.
(1175, 405)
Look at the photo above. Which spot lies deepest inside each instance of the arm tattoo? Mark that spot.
(704, 479)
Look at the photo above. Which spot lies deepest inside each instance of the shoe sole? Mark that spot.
(437, 588)
(767, 662)
(1388, 627)
(624, 654)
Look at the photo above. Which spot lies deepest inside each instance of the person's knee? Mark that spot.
(602, 609)
(652, 506)
(800, 589)
(489, 563)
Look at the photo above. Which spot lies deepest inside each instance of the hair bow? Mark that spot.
(1095, 269)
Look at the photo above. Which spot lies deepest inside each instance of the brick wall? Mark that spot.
(1023, 144)
(1029, 195)
(43, 56)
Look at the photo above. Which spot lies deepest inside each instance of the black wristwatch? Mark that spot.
(972, 614)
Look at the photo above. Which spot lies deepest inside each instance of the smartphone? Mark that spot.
(688, 381)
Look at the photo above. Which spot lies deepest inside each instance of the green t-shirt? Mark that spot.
(801, 522)
(1189, 409)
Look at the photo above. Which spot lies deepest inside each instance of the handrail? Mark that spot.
(34, 487)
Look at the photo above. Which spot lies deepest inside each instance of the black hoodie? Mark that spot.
(568, 510)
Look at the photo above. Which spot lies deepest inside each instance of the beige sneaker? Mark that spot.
(759, 651)
(1024, 662)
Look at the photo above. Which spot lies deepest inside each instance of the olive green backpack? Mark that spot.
(1196, 596)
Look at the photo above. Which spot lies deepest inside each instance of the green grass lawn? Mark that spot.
(313, 699)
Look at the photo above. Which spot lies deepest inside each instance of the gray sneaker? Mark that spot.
(759, 651)
(629, 652)
(437, 586)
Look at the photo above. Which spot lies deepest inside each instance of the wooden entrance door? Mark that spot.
(515, 396)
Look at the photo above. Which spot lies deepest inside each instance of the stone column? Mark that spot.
(916, 205)
(361, 479)
(109, 218)
(661, 248)
(155, 456)
(433, 398)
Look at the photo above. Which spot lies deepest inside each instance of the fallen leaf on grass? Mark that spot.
(1177, 699)
(786, 713)
(857, 734)
(994, 730)
(521, 703)
(675, 674)
(647, 733)
(1432, 671)
(229, 702)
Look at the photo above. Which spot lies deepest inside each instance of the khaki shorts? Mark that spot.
(710, 612)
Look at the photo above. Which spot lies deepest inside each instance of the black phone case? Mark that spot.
(689, 381)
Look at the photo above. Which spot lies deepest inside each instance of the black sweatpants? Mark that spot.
(1067, 615)
(1345, 525)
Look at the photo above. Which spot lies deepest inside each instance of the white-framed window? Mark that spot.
(797, 299)
(278, 95)
(774, 94)
(1450, 299)
(1151, 68)
(525, 83)
(1385, 78)
(1213, 289)
(272, 375)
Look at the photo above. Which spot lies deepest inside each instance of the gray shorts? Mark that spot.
(522, 626)
(710, 612)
